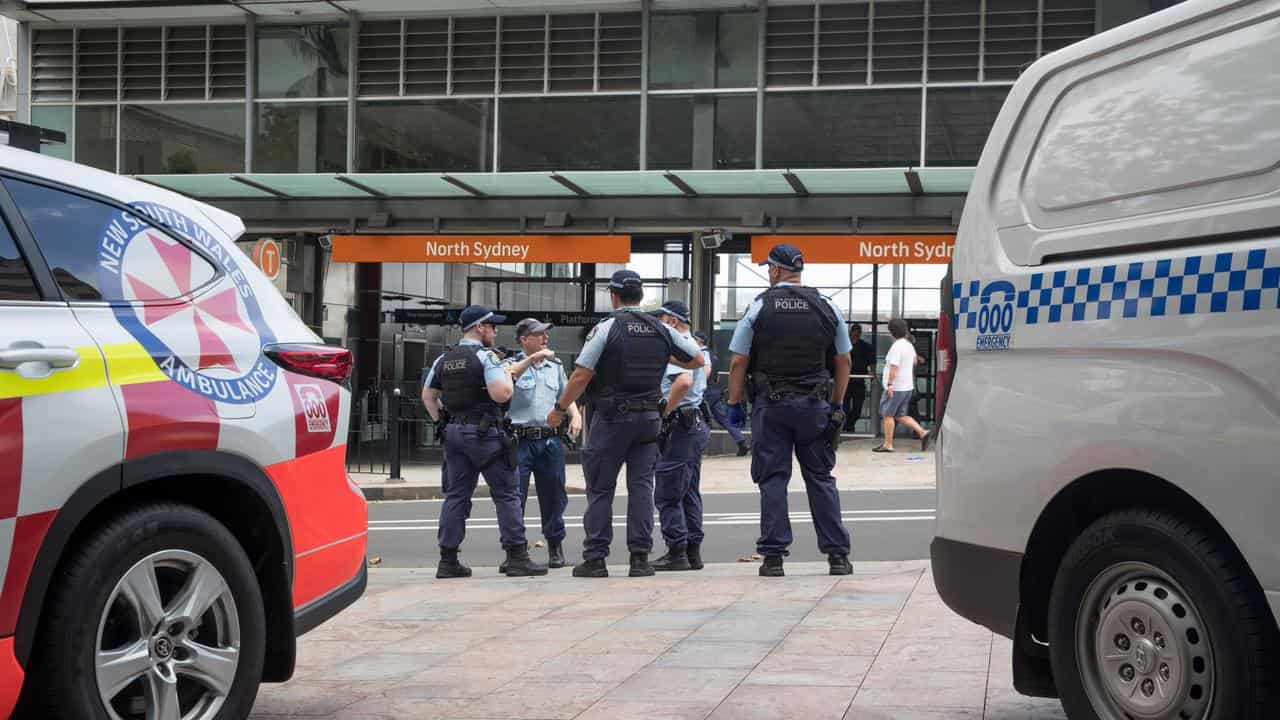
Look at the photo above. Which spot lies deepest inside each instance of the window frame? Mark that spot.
(50, 291)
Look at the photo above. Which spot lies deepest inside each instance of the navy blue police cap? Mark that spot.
(786, 256)
(475, 315)
(676, 309)
(625, 279)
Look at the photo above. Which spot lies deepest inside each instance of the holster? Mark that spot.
(834, 427)
(510, 445)
(664, 434)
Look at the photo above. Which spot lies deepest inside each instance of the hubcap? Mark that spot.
(168, 642)
(1143, 648)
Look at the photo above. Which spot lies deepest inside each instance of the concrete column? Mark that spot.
(702, 285)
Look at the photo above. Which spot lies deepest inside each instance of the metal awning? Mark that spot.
(603, 184)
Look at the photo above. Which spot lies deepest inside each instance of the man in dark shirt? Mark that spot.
(863, 358)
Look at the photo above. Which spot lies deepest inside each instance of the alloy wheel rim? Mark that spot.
(1143, 648)
(168, 641)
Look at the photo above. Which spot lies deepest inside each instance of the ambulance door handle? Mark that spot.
(36, 362)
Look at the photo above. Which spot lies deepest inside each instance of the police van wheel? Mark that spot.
(157, 615)
(1153, 617)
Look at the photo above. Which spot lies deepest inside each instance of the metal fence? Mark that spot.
(389, 428)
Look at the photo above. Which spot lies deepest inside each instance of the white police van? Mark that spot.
(1109, 459)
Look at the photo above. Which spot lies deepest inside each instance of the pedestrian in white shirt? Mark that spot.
(899, 384)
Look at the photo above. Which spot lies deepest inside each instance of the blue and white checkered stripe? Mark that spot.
(1242, 281)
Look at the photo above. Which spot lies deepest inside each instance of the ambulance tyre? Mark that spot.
(1153, 616)
(157, 614)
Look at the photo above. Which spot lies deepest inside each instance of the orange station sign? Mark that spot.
(482, 248)
(861, 249)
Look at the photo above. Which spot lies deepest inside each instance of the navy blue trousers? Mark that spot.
(544, 459)
(676, 488)
(468, 455)
(611, 441)
(796, 425)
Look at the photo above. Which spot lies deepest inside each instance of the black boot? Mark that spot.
(772, 566)
(450, 567)
(555, 553)
(591, 569)
(640, 566)
(502, 566)
(677, 558)
(744, 448)
(840, 564)
(695, 556)
(519, 564)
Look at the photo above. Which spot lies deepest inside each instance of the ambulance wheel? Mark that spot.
(1154, 618)
(157, 616)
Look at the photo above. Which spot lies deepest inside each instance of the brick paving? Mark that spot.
(722, 644)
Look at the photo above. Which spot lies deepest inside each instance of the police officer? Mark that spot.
(539, 379)
(794, 350)
(620, 368)
(679, 466)
(471, 383)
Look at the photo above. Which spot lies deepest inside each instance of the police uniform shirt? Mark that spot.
(536, 392)
(745, 332)
(494, 370)
(683, 347)
(693, 398)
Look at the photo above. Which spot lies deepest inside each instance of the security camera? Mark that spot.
(325, 241)
(713, 239)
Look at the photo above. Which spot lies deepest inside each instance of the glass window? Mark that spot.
(54, 118)
(959, 120)
(300, 138)
(702, 50)
(436, 136)
(15, 277)
(580, 133)
(183, 139)
(878, 128)
(702, 132)
(96, 137)
(87, 244)
(302, 61)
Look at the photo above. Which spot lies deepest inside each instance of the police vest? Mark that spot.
(634, 358)
(463, 389)
(793, 345)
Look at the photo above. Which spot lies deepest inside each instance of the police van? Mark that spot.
(174, 503)
(1109, 456)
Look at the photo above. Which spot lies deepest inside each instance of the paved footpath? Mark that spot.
(721, 644)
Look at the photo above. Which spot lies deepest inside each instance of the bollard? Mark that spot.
(395, 437)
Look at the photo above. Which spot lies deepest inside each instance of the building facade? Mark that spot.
(693, 127)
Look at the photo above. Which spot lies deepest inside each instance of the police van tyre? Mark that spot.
(158, 616)
(1155, 618)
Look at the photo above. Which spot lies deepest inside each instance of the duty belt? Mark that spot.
(534, 432)
(623, 406)
(473, 419)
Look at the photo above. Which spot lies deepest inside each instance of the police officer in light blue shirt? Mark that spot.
(471, 382)
(793, 349)
(539, 379)
(620, 368)
(679, 467)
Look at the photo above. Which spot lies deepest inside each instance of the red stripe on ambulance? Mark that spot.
(10, 456)
(28, 535)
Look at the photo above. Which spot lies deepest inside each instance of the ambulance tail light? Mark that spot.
(321, 361)
(946, 349)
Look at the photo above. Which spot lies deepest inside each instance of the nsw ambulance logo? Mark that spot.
(210, 343)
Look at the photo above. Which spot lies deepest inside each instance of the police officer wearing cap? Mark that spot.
(539, 379)
(471, 382)
(793, 350)
(620, 369)
(679, 466)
